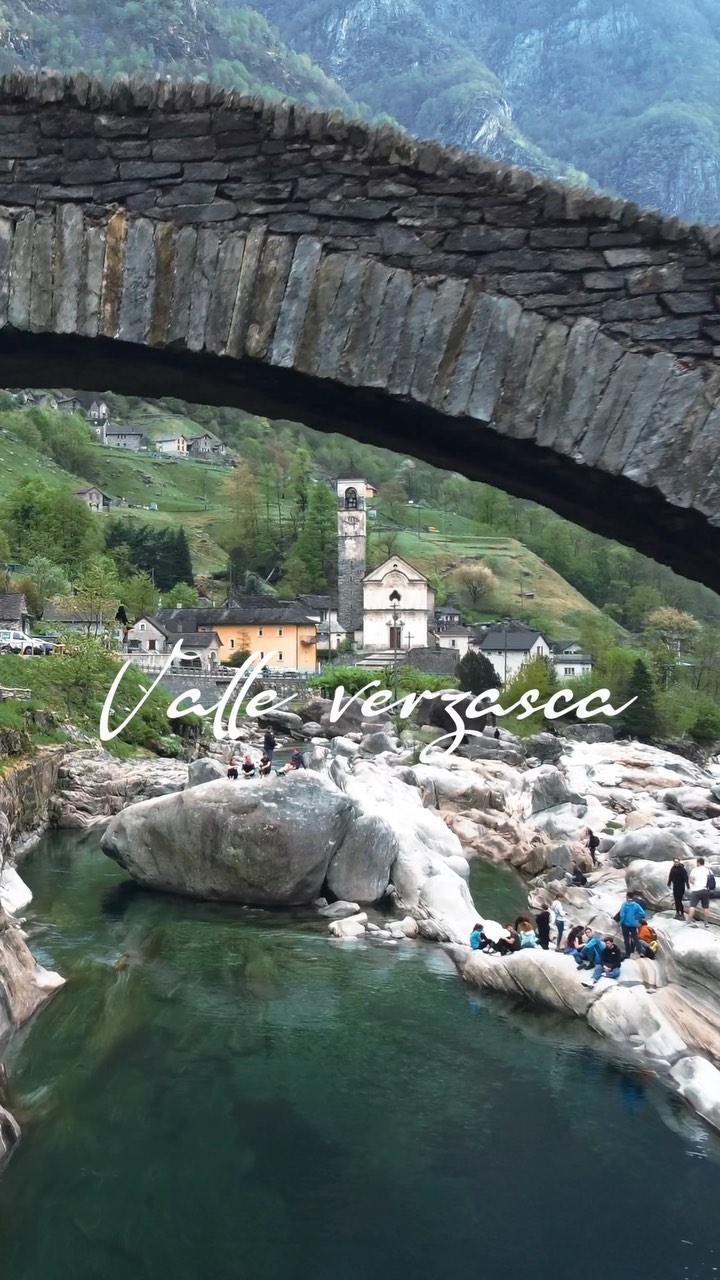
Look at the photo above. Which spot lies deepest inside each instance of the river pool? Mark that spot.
(244, 1098)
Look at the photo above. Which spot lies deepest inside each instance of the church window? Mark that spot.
(351, 499)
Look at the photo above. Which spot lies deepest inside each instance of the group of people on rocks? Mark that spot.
(699, 882)
(591, 949)
(249, 769)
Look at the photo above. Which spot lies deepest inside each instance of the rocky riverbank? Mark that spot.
(381, 845)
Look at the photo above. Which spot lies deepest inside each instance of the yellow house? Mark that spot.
(279, 630)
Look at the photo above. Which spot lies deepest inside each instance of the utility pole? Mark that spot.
(395, 621)
(505, 627)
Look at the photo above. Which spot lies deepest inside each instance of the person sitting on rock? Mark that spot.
(296, 761)
(478, 941)
(630, 915)
(527, 935)
(233, 768)
(589, 953)
(265, 767)
(510, 943)
(577, 875)
(609, 962)
(647, 941)
(248, 767)
(679, 882)
(575, 940)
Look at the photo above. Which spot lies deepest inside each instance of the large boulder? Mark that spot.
(544, 747)
(649, 880)
(649, 844)
(284, 722)
(360, 870)
(544, 977)
(692, 802)
(24, 984)
(206, 769)
(349, 721)
(15, 895)
(264, 841)
(374, 744)
(548, 788)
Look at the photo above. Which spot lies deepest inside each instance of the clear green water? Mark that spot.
(248, 1099)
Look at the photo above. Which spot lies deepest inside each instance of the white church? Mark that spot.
(398, 607)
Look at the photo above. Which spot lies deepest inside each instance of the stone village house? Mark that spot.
(14, 614)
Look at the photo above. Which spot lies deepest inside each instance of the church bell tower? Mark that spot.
(352, 540)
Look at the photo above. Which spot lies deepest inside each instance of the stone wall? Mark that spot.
(188, 156)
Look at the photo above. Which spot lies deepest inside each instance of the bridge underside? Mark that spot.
(611, 505)
(173, 238)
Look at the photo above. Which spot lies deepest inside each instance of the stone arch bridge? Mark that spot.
(173, 238)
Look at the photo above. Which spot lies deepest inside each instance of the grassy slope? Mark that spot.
(556, 605)
(191, 493)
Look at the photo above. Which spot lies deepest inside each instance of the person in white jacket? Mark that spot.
(557, 906)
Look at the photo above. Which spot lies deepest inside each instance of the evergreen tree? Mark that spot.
(475, 673)
(182, 568)
(641, 719)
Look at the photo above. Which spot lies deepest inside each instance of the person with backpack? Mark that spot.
(593, 844)
(647, 941)
(630, 916)
(700, 891)
(679, 882)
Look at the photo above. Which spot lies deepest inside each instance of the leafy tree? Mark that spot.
(48, 577)
(39, 514)
(476, 580)
(394, 497)
(97, 593)
(139, 595)
(182, 596)
(475, 673)
(641, 719)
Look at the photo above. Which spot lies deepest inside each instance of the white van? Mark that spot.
(21, 642)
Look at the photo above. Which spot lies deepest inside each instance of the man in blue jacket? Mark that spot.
(589, 954)
(631, 914)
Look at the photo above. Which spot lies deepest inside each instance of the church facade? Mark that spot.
(398, 606)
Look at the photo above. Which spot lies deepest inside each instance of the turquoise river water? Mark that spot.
(244, 1098)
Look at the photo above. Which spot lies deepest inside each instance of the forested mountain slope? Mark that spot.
(624, 93)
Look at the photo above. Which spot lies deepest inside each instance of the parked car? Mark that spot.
(21, 642)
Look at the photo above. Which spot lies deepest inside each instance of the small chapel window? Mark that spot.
(351, 499)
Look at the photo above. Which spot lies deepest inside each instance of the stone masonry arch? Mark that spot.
(171, 238)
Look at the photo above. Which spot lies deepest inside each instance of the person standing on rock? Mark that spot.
(679, 882)
(544, 921)
(558, 909)
(269, 744)
(630, 915)
(699, 892)
(593, 844)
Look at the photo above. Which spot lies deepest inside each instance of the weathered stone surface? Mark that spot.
(264, 842)
(331, 249)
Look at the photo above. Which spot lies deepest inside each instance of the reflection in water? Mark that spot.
(246, 1098)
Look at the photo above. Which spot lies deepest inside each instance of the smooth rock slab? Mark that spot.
(264, 841)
